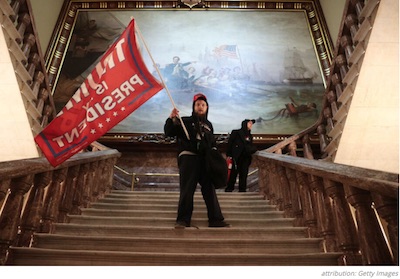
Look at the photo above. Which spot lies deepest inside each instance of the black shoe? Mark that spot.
(228, 190)
(218, 224)
(181, 225)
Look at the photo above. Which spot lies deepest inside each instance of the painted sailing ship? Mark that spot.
(295, 72)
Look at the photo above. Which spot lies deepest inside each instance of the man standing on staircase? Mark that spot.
(191, 162)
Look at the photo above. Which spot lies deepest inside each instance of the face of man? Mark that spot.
(200, 107)
(249, 125)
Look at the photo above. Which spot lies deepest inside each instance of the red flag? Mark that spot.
(118, 85)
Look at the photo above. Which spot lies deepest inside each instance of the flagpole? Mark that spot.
(162, 79)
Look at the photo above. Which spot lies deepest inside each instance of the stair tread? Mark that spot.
(175, 205)
(241, 229)
(190, 245)
(172, 213)
(131, 238)
(38, 256)
(164, 218)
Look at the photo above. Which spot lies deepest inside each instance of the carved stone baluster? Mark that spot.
(323, 211)
(347, 45)
(4, 186)
(10, 216)
(337, 82)
(295, 198)
(344, 224)
(292, 147)
(374, 250)
(33, 209)
(46, 115)
(15, 5)
(351, 22)
(52, 202)
(33, 62)
(86, 186)
(308, 205)
(285, 190)
(341, 62)
(94, 169)
(29, 42)
(68, 194)
(77, 201)
(101, 180)
(323, 138)
(91, 178)
(23, 21)
(388, 210)
(105, 184)
(37, 82)
(42, 97)
(276, 189)
(358, 6)
(264, 177)
(331, 97)
(110, 166)
(307, 148)
(108, 175)
(329, 118)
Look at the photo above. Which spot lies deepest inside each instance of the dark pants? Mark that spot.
(192, 171)
(241, 167)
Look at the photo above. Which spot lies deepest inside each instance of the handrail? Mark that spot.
(384, 183)
(354, 210)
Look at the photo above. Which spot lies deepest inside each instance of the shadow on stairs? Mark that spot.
(137, 229)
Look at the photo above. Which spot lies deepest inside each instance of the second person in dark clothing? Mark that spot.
(240, 149)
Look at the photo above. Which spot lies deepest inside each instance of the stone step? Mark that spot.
(163, 201)
(53, 257)
(177, 245)
(162, 222)
(170, 232)
(228, 213)
(174, 194)
(174, 205)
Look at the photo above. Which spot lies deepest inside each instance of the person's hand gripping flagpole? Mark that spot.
(163, 82)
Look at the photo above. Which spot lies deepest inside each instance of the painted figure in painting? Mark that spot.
(177, 77)
(293, 109)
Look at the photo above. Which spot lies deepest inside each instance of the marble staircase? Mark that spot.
(137, 229)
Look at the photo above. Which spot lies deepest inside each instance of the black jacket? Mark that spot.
(173, 128)
(240, 143)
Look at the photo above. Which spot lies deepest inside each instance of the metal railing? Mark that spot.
(135, 175)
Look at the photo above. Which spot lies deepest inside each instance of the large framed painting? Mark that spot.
(266, 61)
